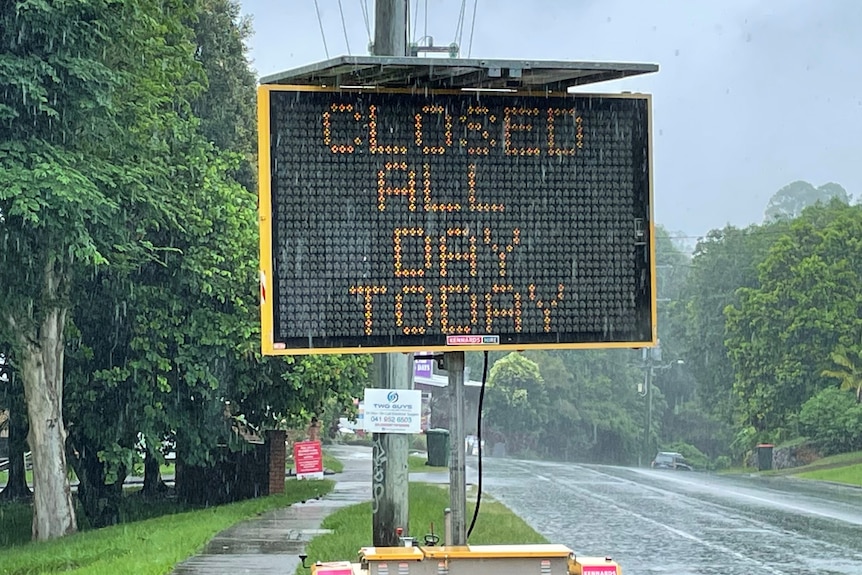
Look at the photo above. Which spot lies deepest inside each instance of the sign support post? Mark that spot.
(454, 361)
(390, 477)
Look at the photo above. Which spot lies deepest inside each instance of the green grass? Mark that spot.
(332, 463)
(417, 463)
(851, 474)
(736, 470)
(153, 546)
(351, 526)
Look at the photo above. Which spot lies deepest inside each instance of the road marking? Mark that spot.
(679, 532)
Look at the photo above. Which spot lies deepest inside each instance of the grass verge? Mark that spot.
(351, 526)
(331, 463)
(153, 546)
(416, 463)
(851, 474)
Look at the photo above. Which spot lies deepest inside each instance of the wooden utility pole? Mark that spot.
(389, 479)
(390, 28)
(392, 370)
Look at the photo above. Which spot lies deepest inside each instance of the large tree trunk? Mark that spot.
(153, 484)
(99, 501)
(16, 487)
(40, 356)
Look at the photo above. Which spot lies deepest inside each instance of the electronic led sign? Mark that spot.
(422, 220)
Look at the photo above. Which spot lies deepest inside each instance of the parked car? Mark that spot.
(670, 460)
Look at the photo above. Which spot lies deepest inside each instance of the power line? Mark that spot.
(343, 27)
(322, 33)
(472, 28)
(413, 28)
(459, 28)
(364, 5)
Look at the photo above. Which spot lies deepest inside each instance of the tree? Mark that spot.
(92, 88)
(789, 202)
(227, 108)
(780, 334)
(833, 420)
(847, 370)
(563, 434)
(516, 403)
(724, 261)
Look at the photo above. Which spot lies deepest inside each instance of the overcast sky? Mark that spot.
(751, 94)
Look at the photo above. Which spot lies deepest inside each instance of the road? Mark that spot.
(681, 523)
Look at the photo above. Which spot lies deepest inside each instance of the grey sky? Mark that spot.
(751, 95)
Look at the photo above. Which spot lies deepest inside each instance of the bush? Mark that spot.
(722, 462)
(833, 420)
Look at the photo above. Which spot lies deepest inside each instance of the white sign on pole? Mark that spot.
(393, 411)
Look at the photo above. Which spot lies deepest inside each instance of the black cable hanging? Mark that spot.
(479, 438)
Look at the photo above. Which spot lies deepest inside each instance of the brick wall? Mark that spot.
(275, 451)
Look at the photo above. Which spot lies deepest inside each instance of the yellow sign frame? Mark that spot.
(268, 345)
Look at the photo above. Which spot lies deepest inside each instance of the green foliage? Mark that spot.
(848, 369)
(722, 462)
(724, 261)
(781, 334)
(516, 401)
(127, 171)
(227, 109)
(832, 419)
(593, 411)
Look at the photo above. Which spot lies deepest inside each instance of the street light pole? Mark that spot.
(650, 355)
(650, 373)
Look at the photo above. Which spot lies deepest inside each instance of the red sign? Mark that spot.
(599, 570)
(308, 459)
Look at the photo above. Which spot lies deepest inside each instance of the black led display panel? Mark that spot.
(397, 219)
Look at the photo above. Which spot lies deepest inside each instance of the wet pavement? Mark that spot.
(679, 523)
(272, 543)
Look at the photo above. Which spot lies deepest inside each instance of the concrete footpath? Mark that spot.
(271, 543)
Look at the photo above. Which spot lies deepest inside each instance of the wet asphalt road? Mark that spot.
(680, 523)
